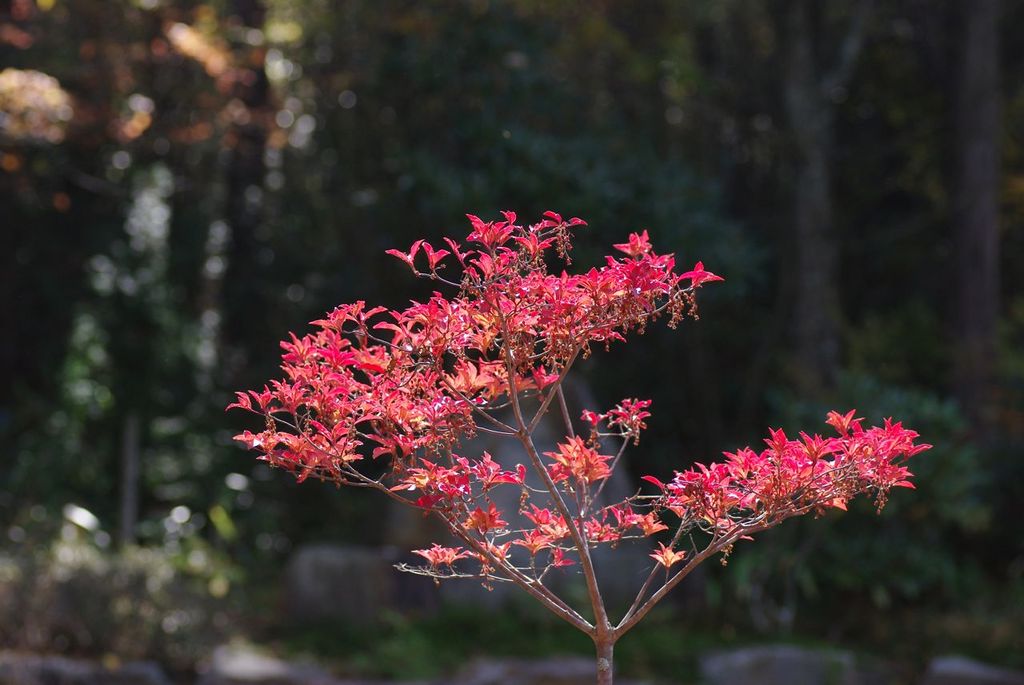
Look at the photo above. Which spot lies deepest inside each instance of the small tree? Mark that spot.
(410, 386)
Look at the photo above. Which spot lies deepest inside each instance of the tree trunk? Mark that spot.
(976, 210)
(605, 661)
(244, 307)
(130, 459)
(811, 92)
(810, 116)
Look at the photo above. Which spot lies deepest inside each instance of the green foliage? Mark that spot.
(136, 604)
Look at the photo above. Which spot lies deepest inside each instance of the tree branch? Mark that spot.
(526, 438)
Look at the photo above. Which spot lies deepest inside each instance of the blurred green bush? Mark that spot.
(137, 604)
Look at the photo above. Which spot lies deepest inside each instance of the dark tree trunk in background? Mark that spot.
(810, 94)
(244, 307)
(975, 268)
(810, 119)
(130, 467)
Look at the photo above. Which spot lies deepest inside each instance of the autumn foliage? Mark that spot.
(410, 388)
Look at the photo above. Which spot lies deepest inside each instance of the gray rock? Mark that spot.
(241, 665)
(31, 669)
(552, 671)
(136, 673)
(337, 582)
(957, 670)
(244, 665)
(787, 665)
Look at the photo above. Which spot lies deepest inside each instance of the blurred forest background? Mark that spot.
(184, 181)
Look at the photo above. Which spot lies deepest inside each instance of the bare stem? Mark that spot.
(551, 394)
(615, 463)
(650, 578)
(565, 411)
